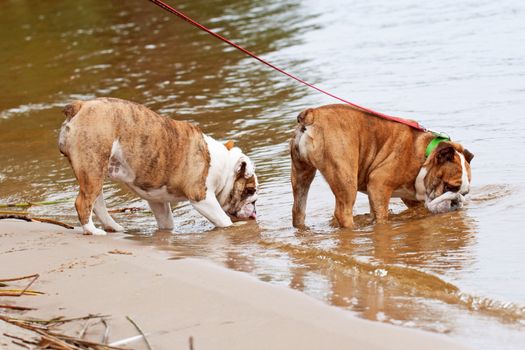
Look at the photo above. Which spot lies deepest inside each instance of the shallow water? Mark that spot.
(456, 66)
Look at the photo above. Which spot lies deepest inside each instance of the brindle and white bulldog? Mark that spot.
(160, 159)
(357, 151)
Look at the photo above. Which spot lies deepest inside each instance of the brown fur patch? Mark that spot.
(229, 144)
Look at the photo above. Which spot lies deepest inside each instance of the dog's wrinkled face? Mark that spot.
(447, 178)
(241, 203)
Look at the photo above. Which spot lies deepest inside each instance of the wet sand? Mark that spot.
(172, 300)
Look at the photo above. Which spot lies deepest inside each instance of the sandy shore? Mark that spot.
(172, 300)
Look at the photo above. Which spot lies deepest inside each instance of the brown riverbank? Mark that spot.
(172, 300)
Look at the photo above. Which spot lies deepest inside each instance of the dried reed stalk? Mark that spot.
(54, 340)
(27, 218)
(13, 293)
(140, 331)
(14, 307)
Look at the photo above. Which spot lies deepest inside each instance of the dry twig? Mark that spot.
(15, 216)
(17, 292)
(118, 251)
(27, 218)
(21, 339)
(54, 222)
(18, 278)
(125, 210)
(106, 332)
(6, 212)
(14, 307)
(84, 329)
(13, 293)
(20, 344)
(140, 331)
(56, 341)
(30, 204)
(58, 320)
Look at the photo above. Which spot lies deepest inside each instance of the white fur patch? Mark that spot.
(64, 130)
(302, 142)
(249, 170)
(465, 183)
(219, 182)
(218, 175)
(421, 191)
(102, 214)
(90, 229)
(224, 164)
(118, 166)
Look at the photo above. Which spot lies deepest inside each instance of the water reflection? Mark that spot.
(352, 268)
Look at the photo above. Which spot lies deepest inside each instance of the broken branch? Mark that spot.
(140, 331)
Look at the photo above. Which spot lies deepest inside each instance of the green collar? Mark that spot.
(435, 142)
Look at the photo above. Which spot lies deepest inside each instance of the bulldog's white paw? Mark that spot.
(239, 223)
(114, 228)
(90, 229)
(99, 232)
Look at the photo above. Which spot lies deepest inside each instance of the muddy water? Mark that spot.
(456, 66)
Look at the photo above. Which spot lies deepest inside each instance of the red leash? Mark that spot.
(412, 124)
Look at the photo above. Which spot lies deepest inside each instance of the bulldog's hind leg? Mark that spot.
(302, 177)
(102, 214)
(343, 184)
(163, 215)
(90, 188)
(211, 209)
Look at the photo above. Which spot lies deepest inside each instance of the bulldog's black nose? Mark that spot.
(454, 203)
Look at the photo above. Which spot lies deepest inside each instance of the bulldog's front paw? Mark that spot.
(114, 228)
(239, 223)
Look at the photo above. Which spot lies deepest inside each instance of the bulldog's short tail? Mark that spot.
(72, 109)
(302, 136)
(69, 111)
(306, 117)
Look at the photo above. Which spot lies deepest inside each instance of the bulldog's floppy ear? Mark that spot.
(244, 167)
(445, 152)
(468, 155)
(229, 144)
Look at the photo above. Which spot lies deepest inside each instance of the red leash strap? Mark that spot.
(179, 14)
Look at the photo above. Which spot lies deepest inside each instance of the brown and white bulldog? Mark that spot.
(160, 159)
(358, 151)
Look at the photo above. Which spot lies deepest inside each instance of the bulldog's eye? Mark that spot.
(451, 188)
(250, 191)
